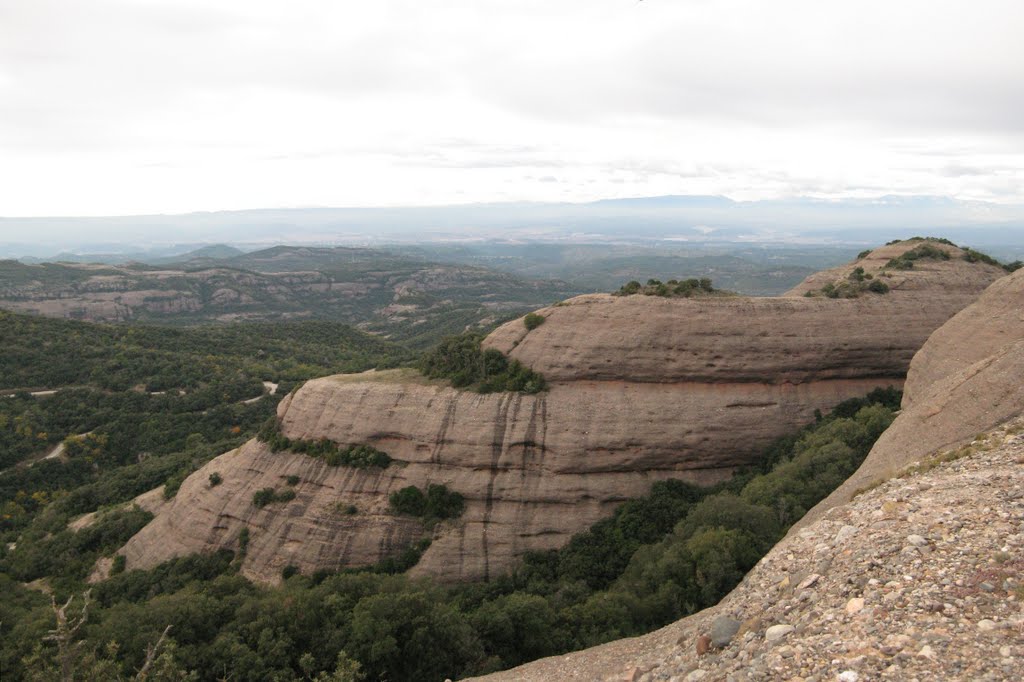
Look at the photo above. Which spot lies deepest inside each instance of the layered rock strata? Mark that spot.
(642, 389)
(908, 570)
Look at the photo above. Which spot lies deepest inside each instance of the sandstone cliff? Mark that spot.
(642, 389)
(917, 577)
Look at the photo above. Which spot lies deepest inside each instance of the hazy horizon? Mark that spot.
(176, 106)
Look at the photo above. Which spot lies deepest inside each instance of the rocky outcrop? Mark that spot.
(964, 381)
(915, 579)
(906, 571)
(534, 469)
(641, 389)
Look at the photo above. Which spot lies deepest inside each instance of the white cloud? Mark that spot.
(123, 106)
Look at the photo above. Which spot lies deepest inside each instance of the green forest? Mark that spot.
(138, 406)
(183, 395)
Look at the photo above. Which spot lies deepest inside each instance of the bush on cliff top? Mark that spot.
(462, 361)
(927, 251)
(921, 252)
(686, 288)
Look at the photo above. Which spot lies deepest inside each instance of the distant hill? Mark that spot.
(697, 219)
(406, 299)
(212, 252)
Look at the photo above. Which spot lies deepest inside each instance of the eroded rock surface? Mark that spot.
(924, 588)
(918, 576)
(642, 389)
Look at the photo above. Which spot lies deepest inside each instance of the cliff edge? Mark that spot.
(913, 569)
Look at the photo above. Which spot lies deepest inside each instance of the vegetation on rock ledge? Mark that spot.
(436, 504)
(358, 456)
(462, 361)
(687, 288)
(856, 283)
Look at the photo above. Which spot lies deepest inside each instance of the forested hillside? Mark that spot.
(94, 414)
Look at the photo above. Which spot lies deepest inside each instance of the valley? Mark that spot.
(609, 463)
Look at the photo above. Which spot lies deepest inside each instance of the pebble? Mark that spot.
(703, 645)
(917, 540)
(723, 630)
(777, 632)
(855, 605)
(845, 533)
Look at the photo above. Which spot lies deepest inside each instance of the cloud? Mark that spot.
(106, 104)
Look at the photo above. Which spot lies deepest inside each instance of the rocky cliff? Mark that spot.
(642, 389)
(912, 570)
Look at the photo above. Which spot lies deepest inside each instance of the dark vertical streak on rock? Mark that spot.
(497, 445)
(442, 433)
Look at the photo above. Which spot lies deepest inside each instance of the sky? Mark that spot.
(119, 107)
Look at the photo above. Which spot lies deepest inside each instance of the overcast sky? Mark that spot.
(143, 106)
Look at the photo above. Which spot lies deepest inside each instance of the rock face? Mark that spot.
(964, 381)
(883, 609)
(642, 389)
(915, 575)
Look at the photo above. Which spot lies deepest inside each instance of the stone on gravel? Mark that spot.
(845, 533)
(703, 645)
(723, 630)
(777, 632)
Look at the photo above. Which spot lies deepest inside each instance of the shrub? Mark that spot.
(409, 500)
(462, 361)
(443, 503)
(921, 252)
(972, 256)
(533, 320)
(243, 540)
(686, 288)
(265, 496)
(119, 563)
(358, 456)
(864, 254)
(174, 483)
(292, 480)
(288, 571)
(215, 479)
(855, 284)
(878, 287)
(437, 503)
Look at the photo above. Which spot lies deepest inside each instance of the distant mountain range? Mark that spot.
(687, 219)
